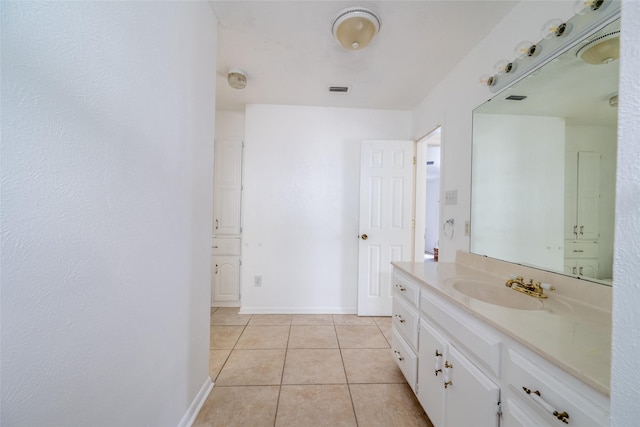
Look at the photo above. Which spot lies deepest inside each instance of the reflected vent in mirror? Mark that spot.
(516, 97)
(339, 89)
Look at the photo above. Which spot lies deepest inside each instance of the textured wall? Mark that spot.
(625, 370)
(107, 129)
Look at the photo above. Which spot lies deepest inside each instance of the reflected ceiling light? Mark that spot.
(355, 27)
(601, 50)
(237, 79)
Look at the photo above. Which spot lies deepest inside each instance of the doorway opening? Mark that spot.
(428, 196)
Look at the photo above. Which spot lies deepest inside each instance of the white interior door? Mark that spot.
(386, 195)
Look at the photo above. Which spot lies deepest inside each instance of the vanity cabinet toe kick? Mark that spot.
(465, 372)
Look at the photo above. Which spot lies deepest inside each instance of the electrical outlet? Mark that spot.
(467, 227)
(451, 197)
(257, 281)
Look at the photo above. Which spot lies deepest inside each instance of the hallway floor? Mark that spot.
(305, 370)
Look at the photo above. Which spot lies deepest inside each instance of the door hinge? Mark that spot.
(413, 223)
(415, 161)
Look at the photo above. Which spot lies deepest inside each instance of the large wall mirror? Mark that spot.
(544, 165)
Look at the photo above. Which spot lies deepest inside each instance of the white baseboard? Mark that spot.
(191, 414)
(217, 304)
(298, 310)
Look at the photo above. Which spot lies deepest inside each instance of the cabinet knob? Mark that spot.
(364, 237)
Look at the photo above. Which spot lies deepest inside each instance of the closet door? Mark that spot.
(227, 184)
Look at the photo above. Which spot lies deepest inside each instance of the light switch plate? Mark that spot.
(451, 197)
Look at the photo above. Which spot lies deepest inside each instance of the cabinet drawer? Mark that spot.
(557, 391)
(581, 250)
(405, 358)
(221, 246)
(406, 289)
(405, 320)
(469, 333)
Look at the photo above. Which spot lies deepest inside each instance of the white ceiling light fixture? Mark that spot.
(602, 50)
(237, 79)
(355, 27)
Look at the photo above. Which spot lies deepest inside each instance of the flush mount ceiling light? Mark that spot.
(602, 50)
(355, 27)
(237, 79)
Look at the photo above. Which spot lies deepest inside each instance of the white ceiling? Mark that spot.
(290, 56)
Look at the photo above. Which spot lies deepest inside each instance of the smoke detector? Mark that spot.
(237, 79)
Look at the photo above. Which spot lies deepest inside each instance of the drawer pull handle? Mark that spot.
(582, 229)
(216, 269)
(400, 318)
(438, 362)
(535, 395)
(216, 224)
(398, 355)
(578, 250)
(447, 379)
(575, 230)
(401, 288)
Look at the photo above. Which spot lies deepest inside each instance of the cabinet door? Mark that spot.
(588, 195)
(227, 187)
(571, 196)
(587, 267)
(225, 277)
(515, 414)
(430, 373)
(471, 398)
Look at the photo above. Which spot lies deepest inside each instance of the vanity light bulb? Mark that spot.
(554, 28)
(581, 7)
(525, 49)
(487, 80)
(503, 67)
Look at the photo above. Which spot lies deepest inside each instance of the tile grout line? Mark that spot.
(344, 368)
(284, 363)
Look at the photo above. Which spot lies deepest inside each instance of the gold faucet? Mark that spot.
(532, 289)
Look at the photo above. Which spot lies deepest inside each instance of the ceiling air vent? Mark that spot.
(339, 89)
(516, 97)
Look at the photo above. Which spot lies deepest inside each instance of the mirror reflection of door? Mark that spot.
(428, 195)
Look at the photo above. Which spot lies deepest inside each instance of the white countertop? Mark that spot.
(574, 336)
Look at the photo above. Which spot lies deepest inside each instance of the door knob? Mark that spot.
(364, 237)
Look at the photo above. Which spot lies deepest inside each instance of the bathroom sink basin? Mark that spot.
(495, 294)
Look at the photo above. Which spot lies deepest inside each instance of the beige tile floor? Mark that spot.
(305, 370)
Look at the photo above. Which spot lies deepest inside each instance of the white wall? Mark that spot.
(625, 375)
(514, 156)
(229, 124)
(301, 204)
(107, 133)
